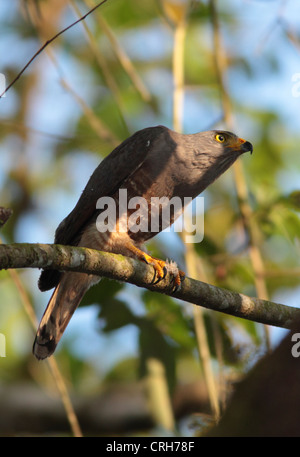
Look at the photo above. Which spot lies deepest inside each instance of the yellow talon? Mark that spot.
(159, 266)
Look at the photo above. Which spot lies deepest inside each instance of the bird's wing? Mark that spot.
(108, 177)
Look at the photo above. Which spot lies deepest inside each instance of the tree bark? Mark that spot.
(118, 267)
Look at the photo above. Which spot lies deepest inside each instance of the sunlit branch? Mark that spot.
(118, 267)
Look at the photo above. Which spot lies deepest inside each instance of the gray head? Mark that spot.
(206, 155)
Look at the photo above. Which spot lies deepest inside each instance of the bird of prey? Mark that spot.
(153, 162)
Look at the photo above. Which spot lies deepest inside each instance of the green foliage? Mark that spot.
(46, 137)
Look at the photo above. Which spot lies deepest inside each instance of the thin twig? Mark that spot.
(47, 43)
(123, 58)
(72, 418)
(101, 130)
(107, 73)
(60, 383)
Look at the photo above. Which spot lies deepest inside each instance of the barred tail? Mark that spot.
(61, 307)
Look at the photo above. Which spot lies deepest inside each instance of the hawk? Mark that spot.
(153, 162)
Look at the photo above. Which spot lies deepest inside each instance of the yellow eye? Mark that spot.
(220, 138)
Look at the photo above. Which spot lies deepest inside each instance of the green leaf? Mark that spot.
(116, 314)
(170, 317)
(293, 200)
(102, 292)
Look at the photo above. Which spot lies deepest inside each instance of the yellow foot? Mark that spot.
(158, 265)
(178, 279)
(161, 268)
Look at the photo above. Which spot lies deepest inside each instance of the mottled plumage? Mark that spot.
(154, 162)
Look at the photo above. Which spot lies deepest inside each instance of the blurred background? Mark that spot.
(135, 362)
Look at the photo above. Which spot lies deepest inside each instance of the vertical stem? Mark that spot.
(158, 395)
(201, 335)
(240, 181)
(64, 395)
(178, 103)
(178, 75)
(60, 383)
(107, 73)
(122, 56)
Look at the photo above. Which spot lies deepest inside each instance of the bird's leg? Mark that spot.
(178, 279)
(161, 267)
(158, 265)
(178, 275)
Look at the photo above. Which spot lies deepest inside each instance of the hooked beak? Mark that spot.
(245, 146)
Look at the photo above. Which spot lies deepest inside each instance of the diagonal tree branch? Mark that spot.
(118, 267)
(48, 42)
